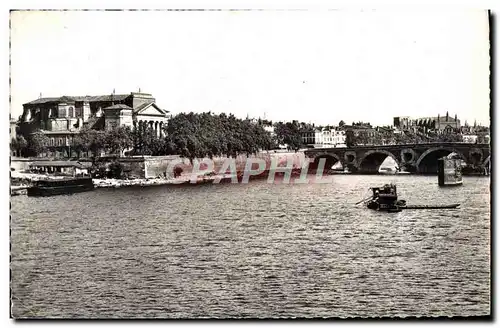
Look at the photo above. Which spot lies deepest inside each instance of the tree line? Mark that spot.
(197, 135)
(190, 135)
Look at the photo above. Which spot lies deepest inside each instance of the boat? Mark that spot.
(51, 187)
(386, 199)
(386, 170)
(18, 190)
(403, 172)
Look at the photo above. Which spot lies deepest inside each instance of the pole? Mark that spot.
(363, 200)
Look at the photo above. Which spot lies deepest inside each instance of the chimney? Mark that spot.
(447, 116)
(40, 97)
(455, 117)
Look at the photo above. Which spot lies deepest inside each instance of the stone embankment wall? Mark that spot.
(162, 166)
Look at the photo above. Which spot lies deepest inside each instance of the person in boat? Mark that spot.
(385, 195)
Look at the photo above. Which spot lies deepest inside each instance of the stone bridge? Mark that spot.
(420, 158)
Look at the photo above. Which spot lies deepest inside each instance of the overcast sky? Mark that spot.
(318, 66)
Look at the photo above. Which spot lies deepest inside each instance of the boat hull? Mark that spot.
(452, 184)
(60, 187)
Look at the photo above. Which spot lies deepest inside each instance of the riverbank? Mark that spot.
(121, 183)
(21, 181)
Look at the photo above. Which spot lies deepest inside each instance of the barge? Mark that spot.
(64, 186)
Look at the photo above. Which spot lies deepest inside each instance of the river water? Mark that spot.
(252, 251)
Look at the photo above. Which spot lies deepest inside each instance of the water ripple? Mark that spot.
(252, 251)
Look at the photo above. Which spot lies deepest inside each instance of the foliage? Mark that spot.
(350, 139)
(19, 145)
(37, 143)
(207, 135)
(450, 137)
(118, 139)
(115, 170)
(90, 140)
(290, 133)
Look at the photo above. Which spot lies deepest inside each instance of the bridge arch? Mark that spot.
(377, 157)
(437, 152)
(330, 160)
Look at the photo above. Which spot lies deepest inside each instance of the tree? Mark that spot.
(118, 139)
(350, 138)
(115, 170)
(290, 134)
(21, 144)
(18, 145)
(200, 135)
(13, 144)
(341, 123)
(450, 137)
(37, 143)
(90, 140)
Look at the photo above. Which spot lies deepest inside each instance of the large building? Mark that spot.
(60, 118)
(440, 123)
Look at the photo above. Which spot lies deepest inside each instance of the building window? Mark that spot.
(71, 112)
(62, 112)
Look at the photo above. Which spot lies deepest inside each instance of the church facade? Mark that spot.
(441, 124)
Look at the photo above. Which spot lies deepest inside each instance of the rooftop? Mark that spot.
(58, 164)
(72, 99)
(118, 106)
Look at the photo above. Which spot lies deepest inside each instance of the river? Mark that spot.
(252, 251)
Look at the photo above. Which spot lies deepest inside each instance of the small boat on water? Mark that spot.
(402, 172)
(386, 171)
(18, 190)
(386, 199)
(51, 187)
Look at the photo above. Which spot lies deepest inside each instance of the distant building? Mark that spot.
(270, 129)
(324, 138)
(442, 124)
(402, 122)
(13, 129)
(469, 138)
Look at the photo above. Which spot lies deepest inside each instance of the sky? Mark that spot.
(313, 66)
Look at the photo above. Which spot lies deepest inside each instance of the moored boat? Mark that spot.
(386, 199)
(386, 171)
(51, 187)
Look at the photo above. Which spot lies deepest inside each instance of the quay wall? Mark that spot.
(162, 166)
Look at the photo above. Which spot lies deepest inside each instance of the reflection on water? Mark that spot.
(255, 250)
